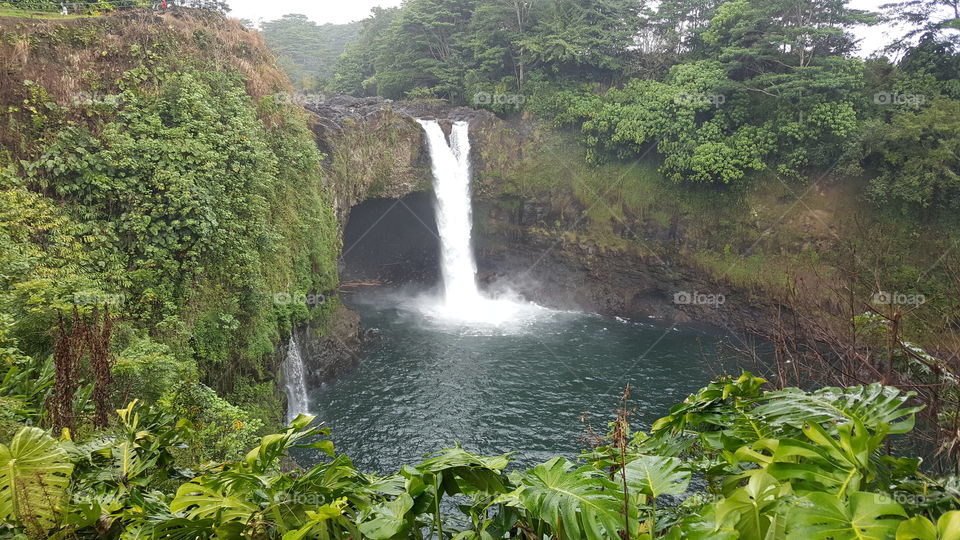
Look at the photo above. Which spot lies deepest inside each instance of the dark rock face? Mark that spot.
(331, 351)
(391, 240)
(554, 270)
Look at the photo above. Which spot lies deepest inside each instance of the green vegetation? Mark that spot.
(157, 191)
(717, 92)
(52, 8)
(731, 461)
(307, 51)
(162, 203)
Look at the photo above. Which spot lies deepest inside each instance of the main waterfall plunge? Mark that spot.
(461, 300)
(457, 364)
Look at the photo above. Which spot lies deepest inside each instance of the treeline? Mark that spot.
(307, 51)
(717, 90)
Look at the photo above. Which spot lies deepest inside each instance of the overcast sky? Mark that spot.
(342, 11)
(321, 11)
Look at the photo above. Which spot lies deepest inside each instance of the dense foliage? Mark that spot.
(731, 461)
(172, 197)
(102, 6)
(715, 91)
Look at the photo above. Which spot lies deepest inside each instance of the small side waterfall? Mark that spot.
(294, 381)
(451, 172)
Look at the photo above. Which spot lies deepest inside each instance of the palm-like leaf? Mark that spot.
(34, 473)
(577, 504)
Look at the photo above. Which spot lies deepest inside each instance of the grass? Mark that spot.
(33, 14)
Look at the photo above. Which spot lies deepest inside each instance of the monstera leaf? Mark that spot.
(657, 475)
(863, 516)
(34, 473)
(873, 405)
(199, 501)
(753, 510)
(577, 504)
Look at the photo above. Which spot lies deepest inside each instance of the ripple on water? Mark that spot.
(427, 383)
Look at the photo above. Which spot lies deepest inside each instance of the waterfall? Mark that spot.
(451, 173)
(461, 302)
(294, 381)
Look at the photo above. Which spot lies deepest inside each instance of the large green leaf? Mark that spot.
(921, 528)
(199, 500)
(34, 473)
(389, 519)
(753, 510)
(873, 405)
(863, 516)
(576, 504)
(948, 526)
(657, 475)
(916, 528)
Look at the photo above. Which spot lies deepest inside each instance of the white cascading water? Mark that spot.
(451, 172)
(295, 381)
(462, 301)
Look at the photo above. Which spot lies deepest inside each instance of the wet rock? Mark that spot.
(332, 350)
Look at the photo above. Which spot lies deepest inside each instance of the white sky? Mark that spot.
(321, 11)
(342, 11)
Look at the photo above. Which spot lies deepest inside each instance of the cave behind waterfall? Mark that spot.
(392, 240)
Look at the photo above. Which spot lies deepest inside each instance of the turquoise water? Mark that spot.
(532, 386)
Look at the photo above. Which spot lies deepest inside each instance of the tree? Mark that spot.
(920, 153)
(792, 58)
(307, 51)
(926, 19)
(586, 38)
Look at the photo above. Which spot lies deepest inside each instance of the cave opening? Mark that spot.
(392, 241)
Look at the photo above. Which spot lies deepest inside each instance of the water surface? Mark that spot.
(531, 386)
